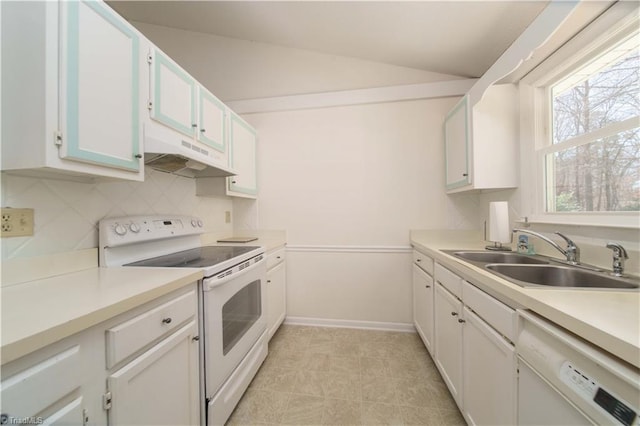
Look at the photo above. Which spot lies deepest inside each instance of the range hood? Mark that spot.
(182, 158)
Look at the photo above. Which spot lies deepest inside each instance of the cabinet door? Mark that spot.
(212, 119)
(276, 297)
(423, 306)
(243, 146)
(160, 386)
(99, 87)
(489, 368)
(70, 414)
(456, 146)
(448, 341)
(173, 98)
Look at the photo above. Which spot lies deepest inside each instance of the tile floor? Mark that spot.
(339, 376)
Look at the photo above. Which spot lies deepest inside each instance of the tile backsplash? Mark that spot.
(67, 213)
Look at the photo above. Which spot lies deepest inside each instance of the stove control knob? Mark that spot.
(120, 230)
(200, 223)
(134, 227)
(194, 223)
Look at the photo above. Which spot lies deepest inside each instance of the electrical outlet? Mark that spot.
(16, 222)
(227, 216)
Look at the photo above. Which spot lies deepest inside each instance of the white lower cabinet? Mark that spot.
(474, 350)
(449, 341)
(154, 377)
(50, 386)
(489, 369)
(423, 298)
(160, 386)
(152, 361)
(276, 291)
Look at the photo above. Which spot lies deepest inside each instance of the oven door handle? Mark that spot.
(212, 282)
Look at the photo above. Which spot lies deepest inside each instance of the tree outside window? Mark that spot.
(593, 161)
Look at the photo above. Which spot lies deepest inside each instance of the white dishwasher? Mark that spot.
(564, 380)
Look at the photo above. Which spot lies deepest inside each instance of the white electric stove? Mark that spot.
(231, 297)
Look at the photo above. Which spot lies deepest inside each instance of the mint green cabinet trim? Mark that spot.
(232, 187)
(160, 60)
(202, 137)
(73, 108)
(466, 179)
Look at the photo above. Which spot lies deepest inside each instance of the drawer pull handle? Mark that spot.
(454, 314)
(460, 320)
(268, 281)
(195, 338)
(278, 257)
(166, 320)
(427, 286)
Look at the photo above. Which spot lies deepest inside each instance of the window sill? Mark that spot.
(618, 220)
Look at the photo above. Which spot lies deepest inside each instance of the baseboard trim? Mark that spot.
(365, 325)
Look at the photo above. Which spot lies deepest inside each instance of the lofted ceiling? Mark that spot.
(461, 38)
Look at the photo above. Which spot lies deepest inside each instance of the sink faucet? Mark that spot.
(572, 252)
(619, 256)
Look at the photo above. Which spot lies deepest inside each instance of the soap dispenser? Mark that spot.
(525, 246)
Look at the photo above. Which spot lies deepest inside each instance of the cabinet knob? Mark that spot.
(460, 320)
(194, 125)
(454, 314)
(138, 155)
(195, 338)
(418, 260)
(203, 130)
(166, 320)
(427, 286)
(268, 281)
(465, 174)
(233, 181)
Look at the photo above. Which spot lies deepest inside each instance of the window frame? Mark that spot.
(616, 25)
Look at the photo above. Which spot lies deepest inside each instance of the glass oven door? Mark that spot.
(234, 318)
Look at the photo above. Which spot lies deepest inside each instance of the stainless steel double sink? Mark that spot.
(542, 271)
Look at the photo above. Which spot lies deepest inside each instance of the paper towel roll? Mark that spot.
(499, 231)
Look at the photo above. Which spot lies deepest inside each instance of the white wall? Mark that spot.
(348, 183)
(356, 175)
(238, 69)
(66, 213)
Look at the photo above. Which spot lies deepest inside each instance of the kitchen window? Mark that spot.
(590, 157)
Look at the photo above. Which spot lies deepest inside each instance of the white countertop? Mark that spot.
(608, 319)
(41, 312)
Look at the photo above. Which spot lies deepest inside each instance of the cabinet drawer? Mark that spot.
(130, 336)
(497, 314)
(449, 280)
(32, 390)
(274, 258)
(423, 261)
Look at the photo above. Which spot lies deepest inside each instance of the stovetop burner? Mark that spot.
(201, 257)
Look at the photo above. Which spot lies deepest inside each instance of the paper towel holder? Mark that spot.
(497, 246)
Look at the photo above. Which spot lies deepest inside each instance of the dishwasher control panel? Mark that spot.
(591, 391)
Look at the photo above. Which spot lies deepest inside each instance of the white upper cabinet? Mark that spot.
(481, 142)
(173, 95)
(212, 118)
(456, 146)
(70, 91)
(243, 158)
(190, 115)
